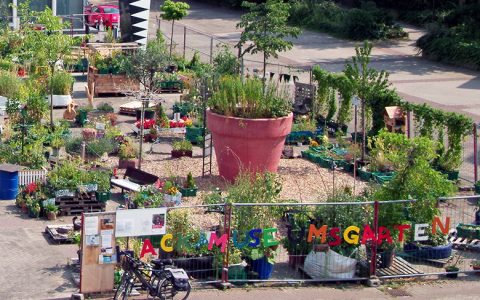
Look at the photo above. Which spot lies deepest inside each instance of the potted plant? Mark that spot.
(56, 143)
(62, 86)
(302, 130)
(256, 188)
(476, 266)
(152, 134)
(51, 210)
(127, 155)
(112, 117)
(450, 162)
(172, 195)
(477, 187)
(189, 189)
(452, 267)
(102, 179)
(249, 123)
(437, 247)
(182, 148)
(33, 208)
(296, 240)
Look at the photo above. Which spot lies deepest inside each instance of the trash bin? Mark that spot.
(9, 181)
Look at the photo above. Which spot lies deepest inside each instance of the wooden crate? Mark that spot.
(110, 83)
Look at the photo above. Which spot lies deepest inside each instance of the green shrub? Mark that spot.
(62, 83)
(105, 107)
(9, 84)
(100, 146)
(74, 146)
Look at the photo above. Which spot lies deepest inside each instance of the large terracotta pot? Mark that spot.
(249, 144)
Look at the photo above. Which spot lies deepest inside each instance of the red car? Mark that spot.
(108, 15)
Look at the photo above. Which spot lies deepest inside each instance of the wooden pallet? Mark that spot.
(439, 263)
(78, 210)
(399, 267)
(55, 236)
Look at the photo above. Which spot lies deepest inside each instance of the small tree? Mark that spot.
(174, 11)
(266, 26)
(48, 46)
(144, 64)
(367, 81)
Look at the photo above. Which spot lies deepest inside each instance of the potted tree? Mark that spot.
(102, 179)
(476, 266)
(51, 209)
(249, 123)
(127, 155)
(189, 189)
(56, 143)
(62, 86)
(452, 267)
(181, 148)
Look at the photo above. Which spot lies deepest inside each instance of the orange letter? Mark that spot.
(321, 232)
(147, 248)
(443, 229)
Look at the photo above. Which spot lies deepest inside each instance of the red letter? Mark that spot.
(218, 241)
(367, 234)
(147, 248)
(333, 234)
(443, 229)
(320, 232)
(401, 228)
(384, 234)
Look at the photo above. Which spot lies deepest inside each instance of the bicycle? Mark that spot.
(161, 282)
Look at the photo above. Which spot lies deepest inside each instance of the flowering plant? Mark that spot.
(147, 124)
(31, 188)
(169, 188)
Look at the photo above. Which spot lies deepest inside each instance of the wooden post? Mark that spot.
(184, 40)
(475, 154)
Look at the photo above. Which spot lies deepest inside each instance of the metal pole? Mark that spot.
(227, 221)
(355, 121)
(363, 129)
(373, 263)
(409, 128)
(311, 75)
(475, 149)
(211, 50)
(83, 151)
(184, 40)
(142, 120)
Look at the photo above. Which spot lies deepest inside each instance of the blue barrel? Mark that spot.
(8, 181)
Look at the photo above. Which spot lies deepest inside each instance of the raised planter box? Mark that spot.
(103, 196)
(299, 136)
(428, 252)
(180, 153)
(382, 177)
(364, 175)
(189, 192)
(468, 231)
(451, 175)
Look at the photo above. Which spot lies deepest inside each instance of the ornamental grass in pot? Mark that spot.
(181, 148)
(127, 155)
(62, 87)
(249, 123)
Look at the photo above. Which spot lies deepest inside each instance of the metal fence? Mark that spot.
(305, 245)
(187, 41)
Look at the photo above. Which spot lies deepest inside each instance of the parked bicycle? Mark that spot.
(159, 279)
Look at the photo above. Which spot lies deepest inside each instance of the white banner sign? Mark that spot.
(140, 222)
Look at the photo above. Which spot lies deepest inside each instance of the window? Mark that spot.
(110, 10)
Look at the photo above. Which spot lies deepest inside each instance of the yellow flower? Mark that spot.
(313, 143)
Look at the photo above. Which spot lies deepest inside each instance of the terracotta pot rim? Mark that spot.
(209, 111)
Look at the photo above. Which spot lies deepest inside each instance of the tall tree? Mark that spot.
(265, 26)
(174, 11)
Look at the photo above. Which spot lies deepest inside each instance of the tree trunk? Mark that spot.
(51, 95)
(171, 39)
(264, 67)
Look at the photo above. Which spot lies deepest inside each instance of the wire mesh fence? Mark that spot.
(320, 242)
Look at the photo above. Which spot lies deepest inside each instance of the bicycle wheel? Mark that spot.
(124, 288)
(166, 290)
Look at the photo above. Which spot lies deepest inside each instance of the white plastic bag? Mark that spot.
(329, 264)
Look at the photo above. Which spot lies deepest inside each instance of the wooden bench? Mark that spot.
(133, 180)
